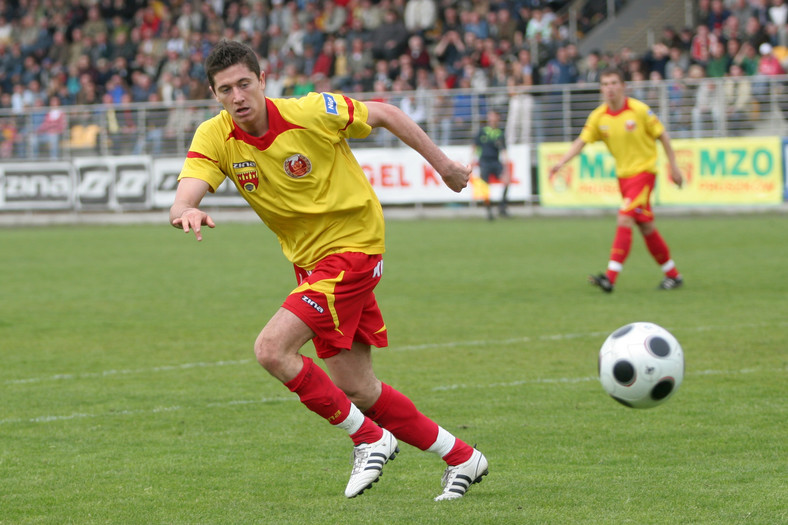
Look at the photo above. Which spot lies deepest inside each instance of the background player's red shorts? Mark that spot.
(636, 191)
(337, 302)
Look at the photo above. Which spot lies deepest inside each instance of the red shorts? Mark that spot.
(336, 301)
(636, 191)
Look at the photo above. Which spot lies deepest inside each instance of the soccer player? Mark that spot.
(290, 160)
(490, 146)
(630, 130)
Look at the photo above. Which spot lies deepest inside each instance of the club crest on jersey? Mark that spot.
(630, 125)
(297, 166)
(247, 177)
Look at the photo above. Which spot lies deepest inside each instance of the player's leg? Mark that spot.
(619, 251)
(484, 173)
(659, 250)
(277, 349)
(635, 193)
(506, 178)
(353, 373)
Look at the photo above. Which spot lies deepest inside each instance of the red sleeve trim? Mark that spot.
(351, 111)
(195, 155)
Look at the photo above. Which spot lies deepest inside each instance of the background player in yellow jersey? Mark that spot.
(630, 130)
(290, 160)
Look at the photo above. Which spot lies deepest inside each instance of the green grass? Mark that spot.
(130, 393)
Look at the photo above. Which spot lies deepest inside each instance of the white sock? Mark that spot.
(353, 421)
(443, 444)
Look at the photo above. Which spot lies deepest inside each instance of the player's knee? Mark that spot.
(268, 353)
(363, 395)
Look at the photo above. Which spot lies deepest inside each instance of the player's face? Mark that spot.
(612, 90)
(242, 94)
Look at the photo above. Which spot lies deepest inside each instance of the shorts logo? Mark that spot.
(248, 179)
(297, 166)
(313, 304)
(331, 104)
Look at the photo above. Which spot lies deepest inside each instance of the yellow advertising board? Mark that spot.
(729, 171)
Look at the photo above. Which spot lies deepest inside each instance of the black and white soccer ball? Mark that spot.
(641, 365)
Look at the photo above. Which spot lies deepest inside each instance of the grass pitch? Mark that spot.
(130, 393)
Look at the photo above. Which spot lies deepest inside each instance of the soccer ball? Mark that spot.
(641, 365)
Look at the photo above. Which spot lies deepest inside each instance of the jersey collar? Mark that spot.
(276, 126)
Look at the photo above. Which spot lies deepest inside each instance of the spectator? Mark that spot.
(699, 52)
(332, 19)
(50, 130)
(754, 32)
(717, 16)
(656, 59)
(740, 10)
(739, 103)
(123, 47)
(420, 16)
(678, 59)
(417, 51)
(324, 62)
(520, 110)
(719, 61)
(560, 70)
(706, 110)
(372, 16)
(590, 69)
(769, 65)
(505, 25)
(747, 58)
(155, 117)
(191, 20)
(681, 99)
(95, 24)
(389, 40)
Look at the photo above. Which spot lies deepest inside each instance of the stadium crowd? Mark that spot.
(56, 53)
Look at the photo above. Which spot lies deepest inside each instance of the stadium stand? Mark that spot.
(134, 68)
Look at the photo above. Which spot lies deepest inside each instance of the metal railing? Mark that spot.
(722, 107)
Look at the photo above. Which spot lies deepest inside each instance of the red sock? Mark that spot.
(661, 253)
(320, 395)
(397, 414)
(619, 252)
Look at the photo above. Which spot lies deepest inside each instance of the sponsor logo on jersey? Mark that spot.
(297, 166)
(331, 104)
(312, 303)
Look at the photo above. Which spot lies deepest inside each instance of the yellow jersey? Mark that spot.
(630, 135)
(300, 177)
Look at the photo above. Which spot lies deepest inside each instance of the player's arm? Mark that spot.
(574, 150)
(454, 174)
(675, 172)
(184, 212)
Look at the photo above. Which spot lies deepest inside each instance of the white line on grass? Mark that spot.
(564, 380)
(485, 386)
(119, 413)
(426, 346)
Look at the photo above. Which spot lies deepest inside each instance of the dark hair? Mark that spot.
(228, 53)
(612, 70)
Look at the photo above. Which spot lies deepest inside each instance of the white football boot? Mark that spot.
(368, 461)
(458, 479)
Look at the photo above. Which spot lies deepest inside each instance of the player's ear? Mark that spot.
(262, 79)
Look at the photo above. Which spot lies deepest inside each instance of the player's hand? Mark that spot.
(192, 219)
(677, 177)
(555, 168)
(457, 176)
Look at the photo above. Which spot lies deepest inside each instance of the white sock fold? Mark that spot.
(353, 421)
(444, 442)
